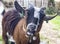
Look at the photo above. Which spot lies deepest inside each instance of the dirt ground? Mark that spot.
(52, 36)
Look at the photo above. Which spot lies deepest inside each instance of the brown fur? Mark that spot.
(19, 34)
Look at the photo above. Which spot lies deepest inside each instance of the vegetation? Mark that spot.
(51, 7)
(51, 3)
(0, 38)
(50, 10)
(56, 22)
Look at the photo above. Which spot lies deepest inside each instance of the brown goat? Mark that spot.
(25, 30)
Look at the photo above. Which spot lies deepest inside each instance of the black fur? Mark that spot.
(12, 18)
(18, 7)
(3, 12)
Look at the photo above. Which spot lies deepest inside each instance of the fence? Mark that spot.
(37, 3)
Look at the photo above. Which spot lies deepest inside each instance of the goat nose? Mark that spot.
(32, 27)
(31, 30)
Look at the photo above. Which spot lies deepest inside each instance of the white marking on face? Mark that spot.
(37, 15)
(36, 12)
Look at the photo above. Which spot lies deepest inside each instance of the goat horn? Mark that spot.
(47, 18)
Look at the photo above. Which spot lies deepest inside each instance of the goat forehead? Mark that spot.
(36, 12)
(37, 9)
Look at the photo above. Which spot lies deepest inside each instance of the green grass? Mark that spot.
(56, 22)
(0, 38)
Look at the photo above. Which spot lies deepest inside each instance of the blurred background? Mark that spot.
(50, 32)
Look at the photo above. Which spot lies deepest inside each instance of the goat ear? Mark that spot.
(18, 7)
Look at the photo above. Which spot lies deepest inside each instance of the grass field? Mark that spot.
(0, 38)
(56, 22)
(51, 33)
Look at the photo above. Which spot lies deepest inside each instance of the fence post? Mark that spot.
(35, 2)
